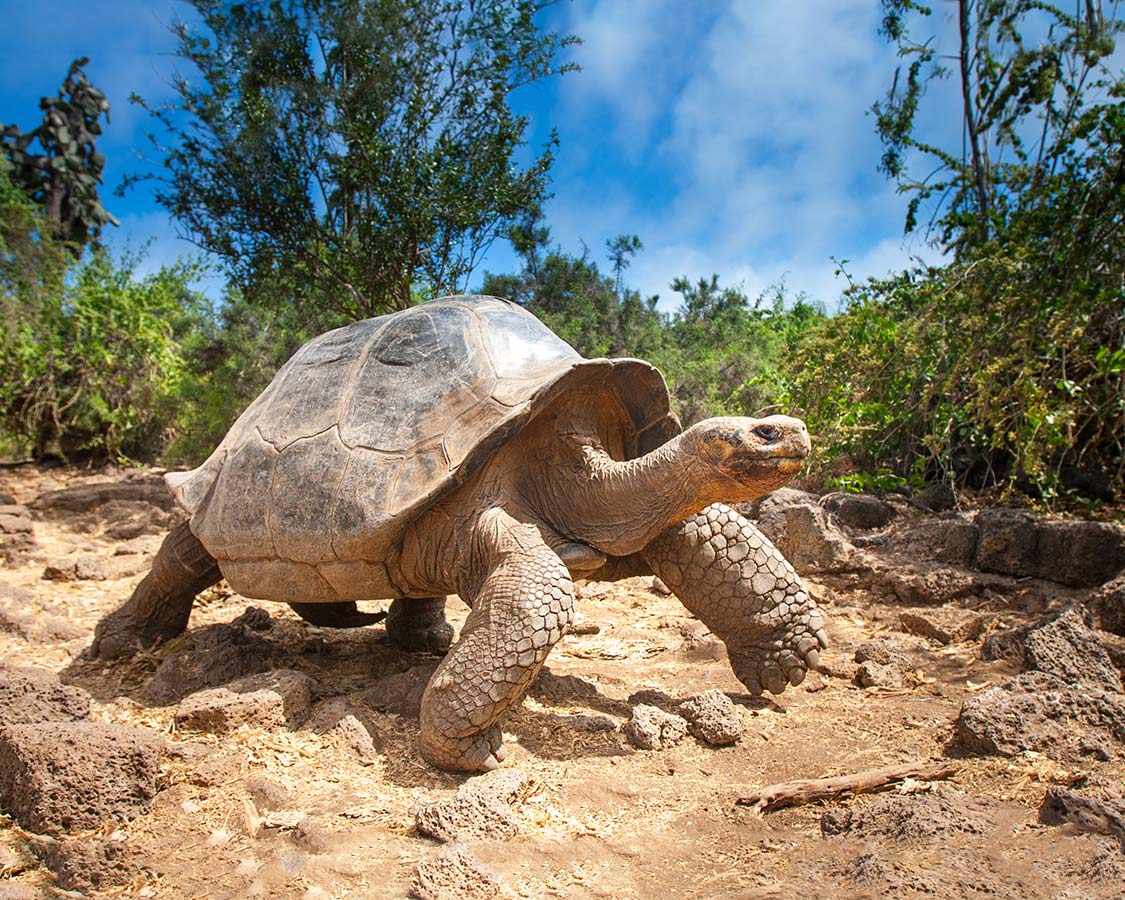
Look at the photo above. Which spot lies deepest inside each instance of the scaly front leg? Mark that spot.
(523, 600)
(728, 574)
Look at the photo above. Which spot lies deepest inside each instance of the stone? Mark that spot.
(1009, 644)
(86, 864)
(17, 533)
(1068, 649)
(400, 693)
(654, 729)
(266, 794)
(483, 807)
(943, 811)
(80, 498)
(712, 718)
(57, 777)
(1089, 815)
(218, 769)
(809, 541)
(949, 539)
(29, 695)
(659, 587)
(927, 585)
(1021, 544)
(452, 873)
(208, 657)
(1038, 712)
(21, 614)
(338, 716)
(1107, 606)
(863, 512)
(945, 624)
(60, 569)
(277, 699)
(877, 675)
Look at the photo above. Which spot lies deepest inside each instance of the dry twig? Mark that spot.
(798, 793)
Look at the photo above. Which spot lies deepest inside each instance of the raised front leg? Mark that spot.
(161, 604)
(728, 574)
(523, 600)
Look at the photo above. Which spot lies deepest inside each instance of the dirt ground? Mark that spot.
(601, 819)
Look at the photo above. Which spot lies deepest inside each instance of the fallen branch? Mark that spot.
(798, 793)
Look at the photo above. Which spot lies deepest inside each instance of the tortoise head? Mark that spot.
(750, 457)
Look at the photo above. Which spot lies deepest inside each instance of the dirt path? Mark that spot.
(597, 818)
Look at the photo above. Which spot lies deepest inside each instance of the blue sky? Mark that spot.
(732, 136)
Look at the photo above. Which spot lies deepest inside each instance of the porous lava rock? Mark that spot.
(277, 699)
(88, 863)
(863, 512)
(452, 873)
(1071, 651)
(910, 817)
(713, 718)
(1037, 711)
(483, 807)
(57, 777)
(209, 657)
(1091, 815)
(945, 624)
(29, 695)
(401, 692)
(651, 728)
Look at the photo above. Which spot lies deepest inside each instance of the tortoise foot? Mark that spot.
(481, 752)
(123, 633)
(419, 625)
(781, 655)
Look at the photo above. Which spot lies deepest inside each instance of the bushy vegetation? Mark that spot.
(1003, 368)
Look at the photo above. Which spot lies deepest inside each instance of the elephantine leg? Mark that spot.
(161, 604)
(728, 574)
(523, 600)
(419, 624)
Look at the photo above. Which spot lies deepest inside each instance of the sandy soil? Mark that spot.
(602, 819)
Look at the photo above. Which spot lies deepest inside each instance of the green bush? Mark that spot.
(95, 366)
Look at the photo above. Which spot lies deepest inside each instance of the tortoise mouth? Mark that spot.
(763, 473)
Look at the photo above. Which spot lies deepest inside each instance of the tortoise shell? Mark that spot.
(365, 427)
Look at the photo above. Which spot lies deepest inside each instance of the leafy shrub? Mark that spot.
(95, 366)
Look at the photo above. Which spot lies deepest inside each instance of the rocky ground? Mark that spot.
(258, 756)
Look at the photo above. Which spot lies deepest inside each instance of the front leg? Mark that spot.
(729, 575)
(523, 600)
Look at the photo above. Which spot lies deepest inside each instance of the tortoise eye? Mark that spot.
(767, 433)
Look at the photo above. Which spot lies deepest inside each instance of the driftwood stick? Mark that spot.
(797, 793)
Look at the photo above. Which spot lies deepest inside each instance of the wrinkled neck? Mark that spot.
(619, 507)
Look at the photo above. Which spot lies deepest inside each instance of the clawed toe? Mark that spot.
(478, 753)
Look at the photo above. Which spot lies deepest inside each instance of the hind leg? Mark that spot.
(161, 604)
(419, 624)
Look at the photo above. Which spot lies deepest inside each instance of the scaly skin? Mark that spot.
(523, 600)
(161, 604)
(728, 574)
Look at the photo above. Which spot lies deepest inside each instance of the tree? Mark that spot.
(340, 152)
(62, 178)
(1026, 106)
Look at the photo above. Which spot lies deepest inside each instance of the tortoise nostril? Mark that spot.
(766, 432)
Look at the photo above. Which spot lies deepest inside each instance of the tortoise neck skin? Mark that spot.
(619, 507)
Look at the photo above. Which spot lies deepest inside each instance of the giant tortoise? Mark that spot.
(460, 447)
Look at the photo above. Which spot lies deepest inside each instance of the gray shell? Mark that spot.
(368, 425)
